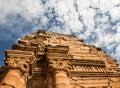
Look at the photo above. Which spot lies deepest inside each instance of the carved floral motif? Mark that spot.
(20, 64)
(59, 65)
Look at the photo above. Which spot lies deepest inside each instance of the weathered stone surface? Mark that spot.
(52, 60)
(14, 79)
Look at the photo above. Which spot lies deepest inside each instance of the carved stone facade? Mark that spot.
(52, 60)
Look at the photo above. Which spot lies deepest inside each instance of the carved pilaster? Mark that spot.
(60, 72)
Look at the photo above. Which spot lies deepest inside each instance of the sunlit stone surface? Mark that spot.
(52, 60)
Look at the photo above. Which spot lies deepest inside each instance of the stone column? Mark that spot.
(13, 79)
(61, 80)
(59, 70)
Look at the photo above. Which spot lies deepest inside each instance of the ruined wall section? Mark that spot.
(52, 60)
(87, 65)
(22, 62)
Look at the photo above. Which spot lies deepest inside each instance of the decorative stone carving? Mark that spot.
(58, 65)
(52, 60)
(20, 64)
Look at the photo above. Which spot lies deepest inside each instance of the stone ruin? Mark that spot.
(52, 60)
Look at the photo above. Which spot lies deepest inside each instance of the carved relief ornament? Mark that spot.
(59, 65)
(22, 65)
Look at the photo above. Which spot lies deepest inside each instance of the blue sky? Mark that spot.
(97, 22)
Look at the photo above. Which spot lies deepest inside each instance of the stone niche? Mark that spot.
(53, 60)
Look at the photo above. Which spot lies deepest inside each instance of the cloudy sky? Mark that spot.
(97, 22)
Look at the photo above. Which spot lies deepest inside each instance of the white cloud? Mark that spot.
(115, 13)
(28, 9)
(80, 17)
(118, 51)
